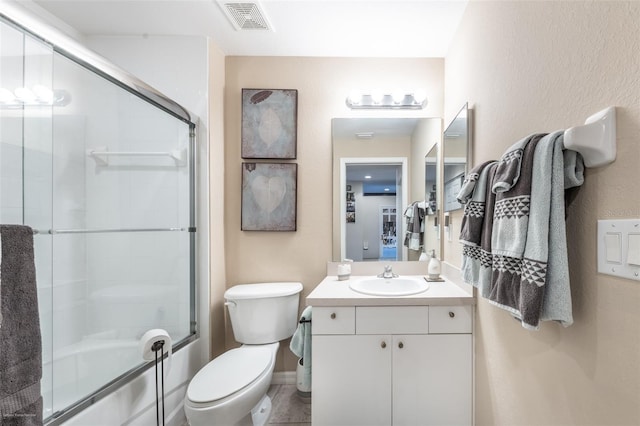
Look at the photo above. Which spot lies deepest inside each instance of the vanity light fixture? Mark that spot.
(387, 100)
(38, 96)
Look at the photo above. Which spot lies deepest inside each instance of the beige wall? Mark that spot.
(216, 194)
(322, 84)
(540, 66)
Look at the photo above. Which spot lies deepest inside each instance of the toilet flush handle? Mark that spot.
(230, 304)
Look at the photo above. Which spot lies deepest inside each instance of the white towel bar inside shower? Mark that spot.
(101, 155)
(596, 139)
(103, 231)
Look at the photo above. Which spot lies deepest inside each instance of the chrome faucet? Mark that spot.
(388, 273)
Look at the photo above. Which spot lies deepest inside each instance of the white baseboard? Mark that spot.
(284, 378)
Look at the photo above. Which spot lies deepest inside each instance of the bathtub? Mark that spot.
(83, 367)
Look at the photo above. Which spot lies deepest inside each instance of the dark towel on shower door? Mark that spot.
(20, 341)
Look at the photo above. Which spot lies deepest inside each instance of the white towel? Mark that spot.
(568, 168)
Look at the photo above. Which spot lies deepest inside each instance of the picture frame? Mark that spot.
(269, 123)
(351, 206)
(269, 196)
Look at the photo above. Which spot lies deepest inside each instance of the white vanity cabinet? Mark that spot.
(392, 365)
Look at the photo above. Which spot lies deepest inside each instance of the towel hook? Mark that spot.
(596, 139)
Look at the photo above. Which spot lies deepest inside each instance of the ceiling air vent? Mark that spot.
(245, 15)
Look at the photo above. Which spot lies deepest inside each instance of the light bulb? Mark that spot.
(355, 97)
(6, 96)
(376, 96)
(43, 93)
(24, 95)
(398, 96)
(419, 96)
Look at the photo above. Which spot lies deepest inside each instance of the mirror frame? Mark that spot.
(465, 108)
(437, 215)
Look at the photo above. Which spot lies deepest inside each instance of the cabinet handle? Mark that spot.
(451, 314)
(333, 315)
(401, 345)
(383, 344)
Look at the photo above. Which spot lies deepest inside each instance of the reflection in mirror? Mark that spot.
(455, 144)
(432, 197)
(367, 225)
(374, 194)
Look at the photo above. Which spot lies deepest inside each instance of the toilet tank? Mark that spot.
(264, 312)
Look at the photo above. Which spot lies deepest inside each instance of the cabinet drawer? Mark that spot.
(392, 320)
(333, 320)
(450, 319)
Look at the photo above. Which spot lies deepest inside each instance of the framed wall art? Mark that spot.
(269, 123)
(351, 205)
(269, 196)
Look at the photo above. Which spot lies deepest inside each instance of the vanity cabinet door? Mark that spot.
(432, 379)
(351, 380)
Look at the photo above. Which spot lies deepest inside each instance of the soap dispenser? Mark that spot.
(433, 268)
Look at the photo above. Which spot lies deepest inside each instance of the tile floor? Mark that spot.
(289, 409)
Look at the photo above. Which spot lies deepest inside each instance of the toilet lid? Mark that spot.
(230, 372)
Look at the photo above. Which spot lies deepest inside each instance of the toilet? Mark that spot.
(232, 388)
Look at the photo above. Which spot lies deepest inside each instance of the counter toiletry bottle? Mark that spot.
(344, 269)
(433, 268)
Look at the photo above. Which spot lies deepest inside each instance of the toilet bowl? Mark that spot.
(229, 388)
(232, 389)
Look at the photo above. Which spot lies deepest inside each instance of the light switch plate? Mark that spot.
(617, 254)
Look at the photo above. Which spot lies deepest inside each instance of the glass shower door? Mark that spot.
(105, 177)
(121, 221)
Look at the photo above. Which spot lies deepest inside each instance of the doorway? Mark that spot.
(372, 195)
(388, 238)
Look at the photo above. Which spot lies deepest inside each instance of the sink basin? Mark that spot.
(389, 286)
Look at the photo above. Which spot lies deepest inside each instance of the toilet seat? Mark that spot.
(229, 373)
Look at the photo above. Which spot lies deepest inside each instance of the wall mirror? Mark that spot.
(433, 201)
(378, 171)
(455, 146)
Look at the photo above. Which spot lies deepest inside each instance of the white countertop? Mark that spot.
(332, 292)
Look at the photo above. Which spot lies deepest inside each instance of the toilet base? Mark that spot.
(259, 415)
(261, 412)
